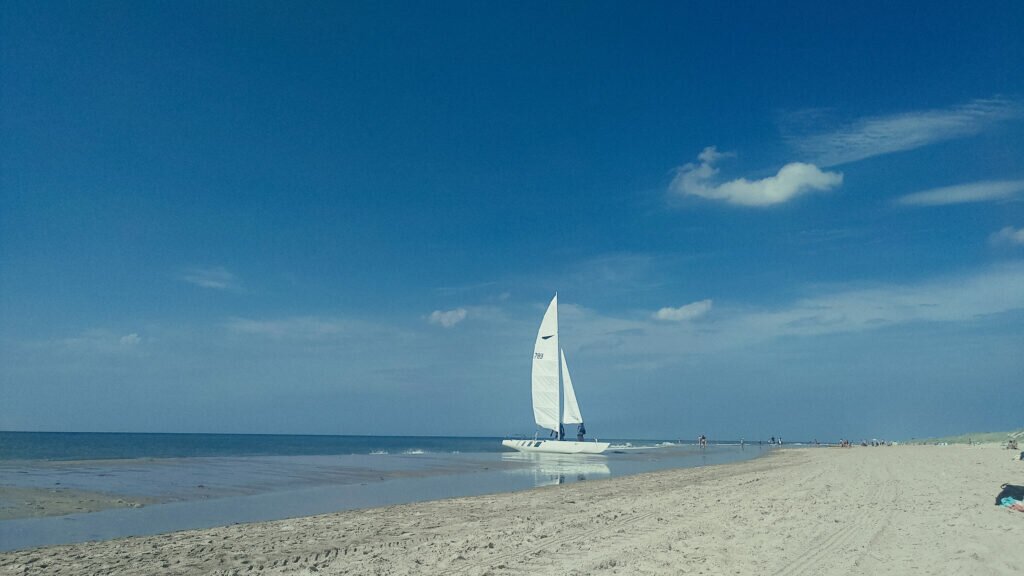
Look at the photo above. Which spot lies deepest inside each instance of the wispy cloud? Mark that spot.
(95, 342)
(478, 287)
(216, 278)
(447, 318)
(950, 299)
(650, 341)
(877, 135)
(613, 272)
(683, 313)
(792, 180)
(1008, 236)
(984, 191)
(293, 328)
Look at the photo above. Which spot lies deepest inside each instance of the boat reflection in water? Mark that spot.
(550, 469)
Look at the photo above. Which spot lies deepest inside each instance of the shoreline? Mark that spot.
(40, 507)
(906, 509)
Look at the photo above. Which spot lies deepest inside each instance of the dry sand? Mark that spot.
(897, 510)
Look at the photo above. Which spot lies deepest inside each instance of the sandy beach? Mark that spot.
(886, 510)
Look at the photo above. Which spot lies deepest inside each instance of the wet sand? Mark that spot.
(18, 502)
(895, 510)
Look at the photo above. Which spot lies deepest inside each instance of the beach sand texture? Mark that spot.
(896, 510)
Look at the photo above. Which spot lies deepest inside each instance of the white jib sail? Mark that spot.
(571, 413)
(545, 369)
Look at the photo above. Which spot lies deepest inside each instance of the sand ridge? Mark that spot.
(886, 510)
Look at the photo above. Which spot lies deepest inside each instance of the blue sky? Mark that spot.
(796, 219)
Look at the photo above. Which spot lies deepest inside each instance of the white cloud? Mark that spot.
(879, 135)
(687, 312)
(792, 180)
(1008, 236)
(447, 318)
(963, 193)
(216, 278)
(129, 339)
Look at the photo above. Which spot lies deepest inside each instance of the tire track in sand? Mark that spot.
(549, 543)
(862, 531)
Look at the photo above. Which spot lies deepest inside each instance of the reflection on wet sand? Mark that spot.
(549, 469)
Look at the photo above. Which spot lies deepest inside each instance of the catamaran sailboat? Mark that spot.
(546, 354)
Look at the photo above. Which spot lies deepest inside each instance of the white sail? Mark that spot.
(545, 369)
(546, 354)
(571, 413)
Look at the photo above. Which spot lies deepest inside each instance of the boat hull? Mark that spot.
(556, 446)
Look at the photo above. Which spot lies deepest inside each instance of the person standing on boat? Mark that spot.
(561, 431)
(580, 431)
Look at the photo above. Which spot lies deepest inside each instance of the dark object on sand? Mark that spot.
(1011, 491)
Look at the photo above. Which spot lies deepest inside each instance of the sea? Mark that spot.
(190, 481)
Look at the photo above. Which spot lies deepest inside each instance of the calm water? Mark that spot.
(100, 446)
(205, 480)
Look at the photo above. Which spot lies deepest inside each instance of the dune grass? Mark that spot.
(976, 437)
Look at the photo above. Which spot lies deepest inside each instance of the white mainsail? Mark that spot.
(545, 370)
(571, 413)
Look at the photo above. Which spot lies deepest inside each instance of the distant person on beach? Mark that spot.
(772, 441)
